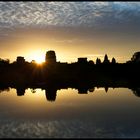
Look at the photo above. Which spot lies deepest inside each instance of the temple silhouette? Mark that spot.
(21, 72)
(82, 75)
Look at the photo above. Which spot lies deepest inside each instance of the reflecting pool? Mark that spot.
(99, 113)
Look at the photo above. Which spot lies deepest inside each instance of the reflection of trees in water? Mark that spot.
(82, 90)
(92, 89)
(136, 91)
(33, 90)
(4, 89)
(51, 91)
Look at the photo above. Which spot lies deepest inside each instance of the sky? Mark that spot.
(71, 29)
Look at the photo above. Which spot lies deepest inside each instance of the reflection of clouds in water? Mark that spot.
(62, 129)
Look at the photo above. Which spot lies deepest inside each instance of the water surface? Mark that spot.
(110, 114)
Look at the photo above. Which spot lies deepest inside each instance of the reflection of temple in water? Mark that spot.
(51, 94)
(106, 89)
(20, 91)
(51, 90)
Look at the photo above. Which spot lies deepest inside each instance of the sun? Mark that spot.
(38, 56)
(39, 59)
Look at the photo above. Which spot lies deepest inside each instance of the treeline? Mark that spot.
(22, 72)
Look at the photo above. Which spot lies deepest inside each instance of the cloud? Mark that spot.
(68, 14)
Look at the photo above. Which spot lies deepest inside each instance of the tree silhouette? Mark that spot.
(33, 61)
(98, 61)
(91, 62)
(136, 57)
(113, 60)
(4, 62)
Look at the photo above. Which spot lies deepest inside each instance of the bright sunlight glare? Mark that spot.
(38, 56)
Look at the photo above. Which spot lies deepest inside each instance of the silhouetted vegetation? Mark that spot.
(113, 60)
(98, 61)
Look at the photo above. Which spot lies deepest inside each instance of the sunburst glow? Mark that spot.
(38, 56)
(39, 59)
